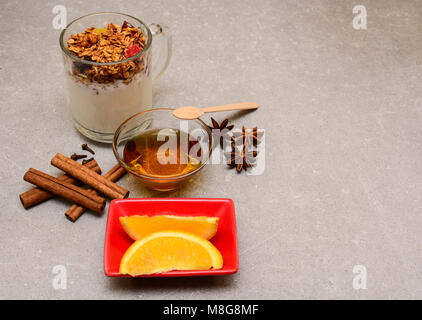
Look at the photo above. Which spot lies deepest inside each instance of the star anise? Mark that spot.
(248, 137)
(241, 158)
(220, 131)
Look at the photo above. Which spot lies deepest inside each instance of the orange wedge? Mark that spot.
(170, 250)
(138, 227)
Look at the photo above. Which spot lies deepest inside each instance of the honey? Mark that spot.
(161, 153)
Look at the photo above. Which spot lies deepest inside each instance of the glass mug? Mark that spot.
(98, 107)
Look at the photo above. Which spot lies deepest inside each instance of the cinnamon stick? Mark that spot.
(65, 190)
(96, 181)
(75, 211)
(37, 195)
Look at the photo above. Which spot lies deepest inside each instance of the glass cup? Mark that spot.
(98, 106)
(162, 119)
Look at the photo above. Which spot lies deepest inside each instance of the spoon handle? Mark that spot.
(232, 106)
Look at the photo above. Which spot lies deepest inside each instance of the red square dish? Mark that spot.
(225, 240)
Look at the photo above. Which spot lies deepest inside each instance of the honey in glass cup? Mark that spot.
(161, 150)
(148, 155)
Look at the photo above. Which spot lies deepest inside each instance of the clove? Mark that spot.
(77, 156)
(87, 160)
(86, 148)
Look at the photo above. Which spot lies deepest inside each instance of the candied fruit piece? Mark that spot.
(132, 50)
(100, 31)
(126, 25)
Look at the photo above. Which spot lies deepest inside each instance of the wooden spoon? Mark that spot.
(190, 113)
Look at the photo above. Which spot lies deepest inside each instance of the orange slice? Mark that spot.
(138, 227)
(170, 250)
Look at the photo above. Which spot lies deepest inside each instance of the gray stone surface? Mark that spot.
(342, 114)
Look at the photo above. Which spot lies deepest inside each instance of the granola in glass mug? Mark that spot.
(108, 65)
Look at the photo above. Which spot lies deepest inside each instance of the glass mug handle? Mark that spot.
(161, 49)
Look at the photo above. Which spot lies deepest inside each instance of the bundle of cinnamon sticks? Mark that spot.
(68, 186)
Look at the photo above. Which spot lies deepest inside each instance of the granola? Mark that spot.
(112, 44)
